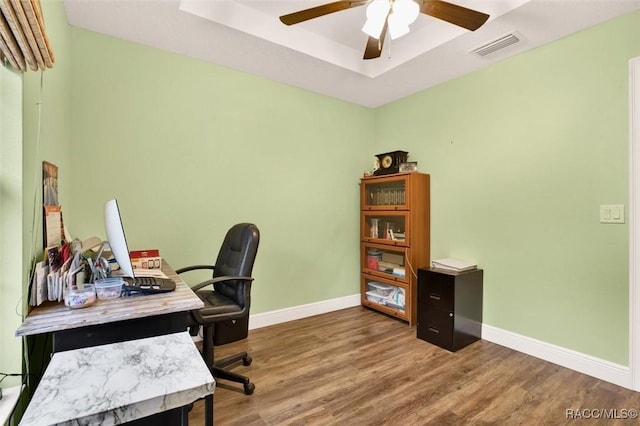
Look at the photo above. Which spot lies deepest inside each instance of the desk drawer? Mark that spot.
(119, 331)
(436, 290)
(435, 326)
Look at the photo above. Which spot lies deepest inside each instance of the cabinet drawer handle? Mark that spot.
(434, 330)
(434, 296)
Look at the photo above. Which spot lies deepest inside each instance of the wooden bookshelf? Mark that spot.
(394, 241)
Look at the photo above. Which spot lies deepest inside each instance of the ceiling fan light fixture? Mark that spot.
(397, 27)
(406, 11)
(398, 14)
(393, 16)
(377, 12)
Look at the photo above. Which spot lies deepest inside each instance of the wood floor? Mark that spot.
(358, 367)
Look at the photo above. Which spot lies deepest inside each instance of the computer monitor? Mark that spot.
(115, 236)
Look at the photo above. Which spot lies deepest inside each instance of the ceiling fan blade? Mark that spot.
(315, 12)
(374, 45)
(454, 14)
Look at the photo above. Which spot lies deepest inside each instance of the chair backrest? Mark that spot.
(236, 257)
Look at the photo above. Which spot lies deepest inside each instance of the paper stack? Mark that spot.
(453, 265)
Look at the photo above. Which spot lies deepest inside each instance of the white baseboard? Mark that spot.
(601, 369)
(289, 314)
(595, 367)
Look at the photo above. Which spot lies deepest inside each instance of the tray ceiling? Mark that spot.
(324, 55)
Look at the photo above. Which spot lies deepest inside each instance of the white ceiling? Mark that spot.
(324, 55)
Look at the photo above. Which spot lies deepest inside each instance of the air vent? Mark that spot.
(497, 44)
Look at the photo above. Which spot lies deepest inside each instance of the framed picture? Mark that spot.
(49, 184)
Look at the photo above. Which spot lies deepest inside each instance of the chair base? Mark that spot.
(219, 372)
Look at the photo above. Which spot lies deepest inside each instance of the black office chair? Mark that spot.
(229, 301)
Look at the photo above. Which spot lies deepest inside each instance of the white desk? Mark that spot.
(58, 319)
(114, 320)
(119, 382)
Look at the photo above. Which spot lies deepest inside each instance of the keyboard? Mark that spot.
(148, 285)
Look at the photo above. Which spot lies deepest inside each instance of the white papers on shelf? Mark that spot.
(399, 272)
(452, 264)
(39, 289)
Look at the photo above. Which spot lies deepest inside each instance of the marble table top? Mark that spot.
(119, 382)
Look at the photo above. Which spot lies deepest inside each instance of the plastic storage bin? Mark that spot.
(80, 296)
(372, 296)
(109, 288)
(381, 289)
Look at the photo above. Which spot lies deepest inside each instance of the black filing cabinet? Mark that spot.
(449, 307)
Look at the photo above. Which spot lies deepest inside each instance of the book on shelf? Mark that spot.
(398, 259)
(454, 265)
(399, 272)
(372, 262)
(387, 265)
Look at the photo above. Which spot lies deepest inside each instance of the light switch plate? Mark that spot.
(612, 213)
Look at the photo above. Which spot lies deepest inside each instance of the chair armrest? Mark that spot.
(194, 268)
(220, 280)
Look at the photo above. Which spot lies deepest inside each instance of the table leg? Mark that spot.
(207, 354)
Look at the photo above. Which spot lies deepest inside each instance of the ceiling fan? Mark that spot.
(393, 16)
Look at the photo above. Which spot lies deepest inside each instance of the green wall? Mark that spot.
(10, 221)
(521, 154)
(46, 133)
(190, 148)
(27, 100)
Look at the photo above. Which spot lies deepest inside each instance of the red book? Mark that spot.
(372, 262)
(137, 254)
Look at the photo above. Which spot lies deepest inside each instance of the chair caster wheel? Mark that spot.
(246, 360)
(249, 388)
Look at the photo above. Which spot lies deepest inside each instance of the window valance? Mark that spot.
(23, 39)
